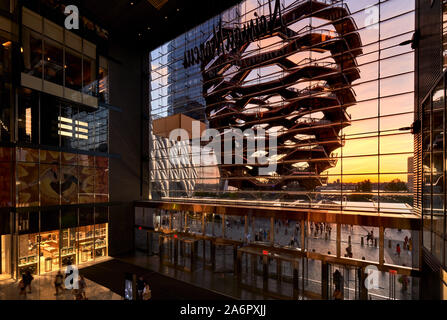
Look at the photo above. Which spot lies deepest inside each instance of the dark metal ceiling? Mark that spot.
(143, 22)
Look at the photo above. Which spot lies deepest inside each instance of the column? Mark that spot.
(203, 223)
(234, 256)
(193, 254)
(185, 225)
(295, 266)
(213, 255)
(279, 270)
(303, 235)
(265, 273)
(338, 240)
(272, 230)
(175, 251)
(170, 220)
(246, 228)
(324, 280)
(160, 247)
(238, 267)
(381, 245)
(223, 225)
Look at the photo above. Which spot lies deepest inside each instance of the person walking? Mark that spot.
(140, 288)
(147, 293)
(58, 282)
(28, 279)
(398, 250)
(22, 287)
(82, 286)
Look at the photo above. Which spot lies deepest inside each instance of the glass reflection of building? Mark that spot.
(359, 149)
(54, 161)
(370, 163)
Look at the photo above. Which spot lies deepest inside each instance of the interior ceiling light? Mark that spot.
(157, 4)
(7, 44)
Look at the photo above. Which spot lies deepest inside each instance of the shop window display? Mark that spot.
(101, 240)
(85, 244)
(68, 246)
(49, 251)
(28, 253)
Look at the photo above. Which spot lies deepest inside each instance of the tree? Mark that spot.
(396, 185)
(362, 187)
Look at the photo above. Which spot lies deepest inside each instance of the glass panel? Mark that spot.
(89, 76)
(27, 184)
(50, 188)
(73, 70)
(28, 116)
(68, 246)
(54, 62)
(32, 54)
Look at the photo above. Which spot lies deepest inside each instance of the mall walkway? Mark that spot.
(112, 274)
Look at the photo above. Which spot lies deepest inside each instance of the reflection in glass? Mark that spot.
(54, 62)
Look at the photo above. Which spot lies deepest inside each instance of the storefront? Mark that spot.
(45, 252)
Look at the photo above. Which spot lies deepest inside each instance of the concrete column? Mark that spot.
(381, 245)
(338, 240)
(272, 230)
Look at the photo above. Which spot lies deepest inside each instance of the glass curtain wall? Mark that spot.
(349, 143)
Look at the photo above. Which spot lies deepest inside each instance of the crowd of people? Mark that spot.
(78, 291)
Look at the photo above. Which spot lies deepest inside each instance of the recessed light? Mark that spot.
(166, 17)
(132, 3)
(178, 9)
(148, 28)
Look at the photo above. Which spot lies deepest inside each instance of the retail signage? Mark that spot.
(234, 38)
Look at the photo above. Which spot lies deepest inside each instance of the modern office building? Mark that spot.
(292, 149)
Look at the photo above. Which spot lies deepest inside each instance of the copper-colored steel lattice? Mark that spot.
(232, 102)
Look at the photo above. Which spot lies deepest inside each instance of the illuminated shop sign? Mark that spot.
(234, 38)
